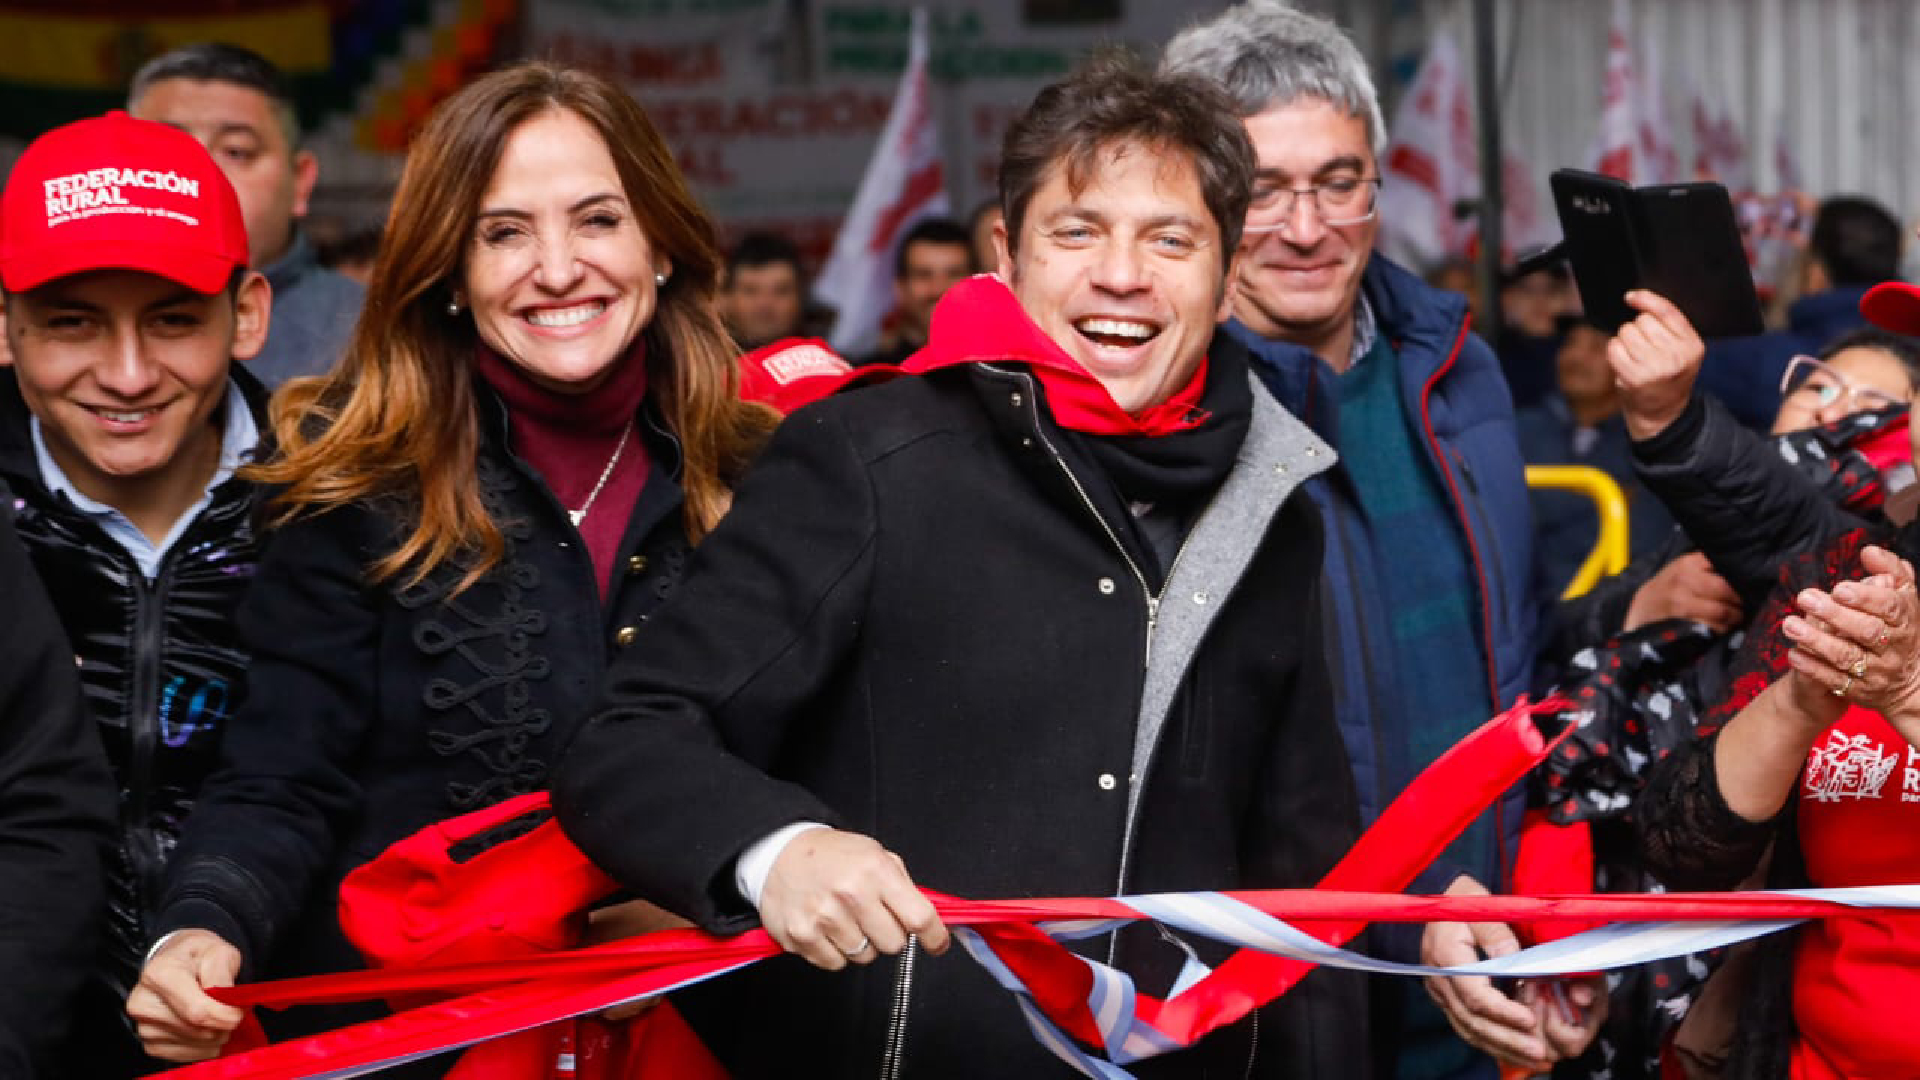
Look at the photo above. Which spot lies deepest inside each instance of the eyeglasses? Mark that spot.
(1815, 385)
(1343, 200)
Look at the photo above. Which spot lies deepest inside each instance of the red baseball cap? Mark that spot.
(1893, 305)
(793, 372)
(113, 192)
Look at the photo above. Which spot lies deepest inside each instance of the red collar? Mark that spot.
(979, 321)
(604, 410)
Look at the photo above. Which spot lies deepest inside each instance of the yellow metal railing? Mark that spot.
(1609, 554)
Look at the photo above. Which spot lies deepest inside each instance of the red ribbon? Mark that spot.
(492, 999)
(510, 996)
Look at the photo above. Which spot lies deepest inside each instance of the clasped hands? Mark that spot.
(1858, 643)
(1548, 1020)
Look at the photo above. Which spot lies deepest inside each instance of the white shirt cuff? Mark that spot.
(750, 870)
(161, 944)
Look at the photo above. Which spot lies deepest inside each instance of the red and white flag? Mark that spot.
(1719, 151)
(1787, 173)
(903, 183)
(1432, 163)
(1526, 225)
(1658, 161)
(1616, 153)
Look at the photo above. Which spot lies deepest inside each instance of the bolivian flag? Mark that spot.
(64, 59)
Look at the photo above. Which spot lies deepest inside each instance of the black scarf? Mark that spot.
(1181, 470)
(1174, 474)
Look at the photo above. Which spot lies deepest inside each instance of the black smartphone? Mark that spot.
(1604, 235)
(1679, 240)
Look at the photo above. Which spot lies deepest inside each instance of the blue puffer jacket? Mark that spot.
(1744, 373)
(1451, 384)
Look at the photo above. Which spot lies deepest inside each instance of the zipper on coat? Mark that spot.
(1487, 578)
(1146, 592)
(1478, 512)
(148, 662)
(1153, 618)
(143, 719)
(1174, 566)
(1153, 600)
(1441, 457)
(896, 1044)
(1356, 602)
(1498, 584)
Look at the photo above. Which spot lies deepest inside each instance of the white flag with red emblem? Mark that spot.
(1431, 163)
(1433, 166)
(903, 184)
(1526, 226)
(1658, 161)
(1787, 173)
(1616, 153)
(1720, 153)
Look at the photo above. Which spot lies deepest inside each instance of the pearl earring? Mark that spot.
(453, 308)
(659, 281)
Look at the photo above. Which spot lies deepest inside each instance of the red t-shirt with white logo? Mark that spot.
(1856, 981)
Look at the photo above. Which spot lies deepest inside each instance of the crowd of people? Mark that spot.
(1169, 535)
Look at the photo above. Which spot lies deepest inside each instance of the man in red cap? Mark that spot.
(123, 418)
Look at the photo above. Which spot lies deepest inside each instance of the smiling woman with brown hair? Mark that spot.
(537, 416)
(401, 416)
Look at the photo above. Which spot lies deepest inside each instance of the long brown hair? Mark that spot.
(398, 416)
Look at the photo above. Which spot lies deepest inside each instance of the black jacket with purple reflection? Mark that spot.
(160, 662)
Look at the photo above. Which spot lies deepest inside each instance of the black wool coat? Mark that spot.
(56, 825)
(915, 624)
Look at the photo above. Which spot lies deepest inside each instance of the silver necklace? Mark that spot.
(619, 448)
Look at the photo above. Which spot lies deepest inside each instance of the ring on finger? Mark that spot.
(865, 941)
(1841, 690)
(1881, 641)
(1859, 668)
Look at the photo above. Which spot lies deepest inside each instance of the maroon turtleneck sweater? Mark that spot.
(569, 438)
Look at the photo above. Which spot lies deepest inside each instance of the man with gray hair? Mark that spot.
(1428, 560)
(239, 106)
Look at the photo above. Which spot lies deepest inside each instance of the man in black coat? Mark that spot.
(1041, 620)
(123, 418)
(56, 814)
